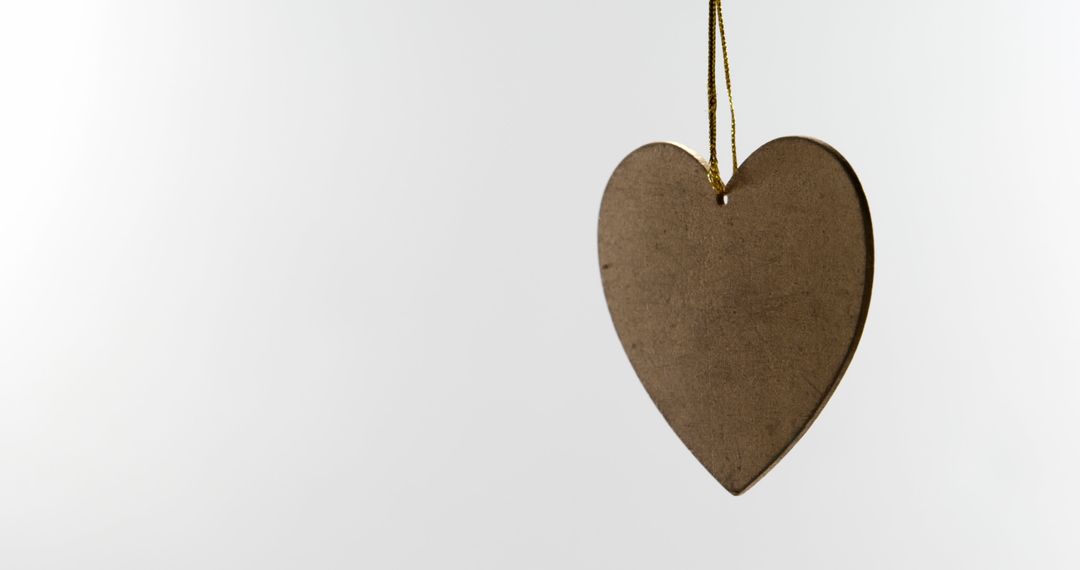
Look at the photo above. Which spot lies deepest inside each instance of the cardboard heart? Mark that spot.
(739, 319)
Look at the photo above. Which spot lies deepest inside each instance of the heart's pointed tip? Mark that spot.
(733, 489)
(738, 487)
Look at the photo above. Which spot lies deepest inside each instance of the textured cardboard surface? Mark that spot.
(739, 319)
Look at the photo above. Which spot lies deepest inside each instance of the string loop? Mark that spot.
(716, 20)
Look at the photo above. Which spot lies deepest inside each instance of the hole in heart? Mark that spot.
(721, 199)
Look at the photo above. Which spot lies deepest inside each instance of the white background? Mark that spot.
(314, 285)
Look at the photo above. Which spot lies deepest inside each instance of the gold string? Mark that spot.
(716, 19)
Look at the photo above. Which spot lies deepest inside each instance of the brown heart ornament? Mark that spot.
(739, 319)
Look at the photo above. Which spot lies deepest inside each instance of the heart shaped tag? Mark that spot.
(739, 319)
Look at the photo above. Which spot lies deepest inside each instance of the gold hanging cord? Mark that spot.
(716, 19)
